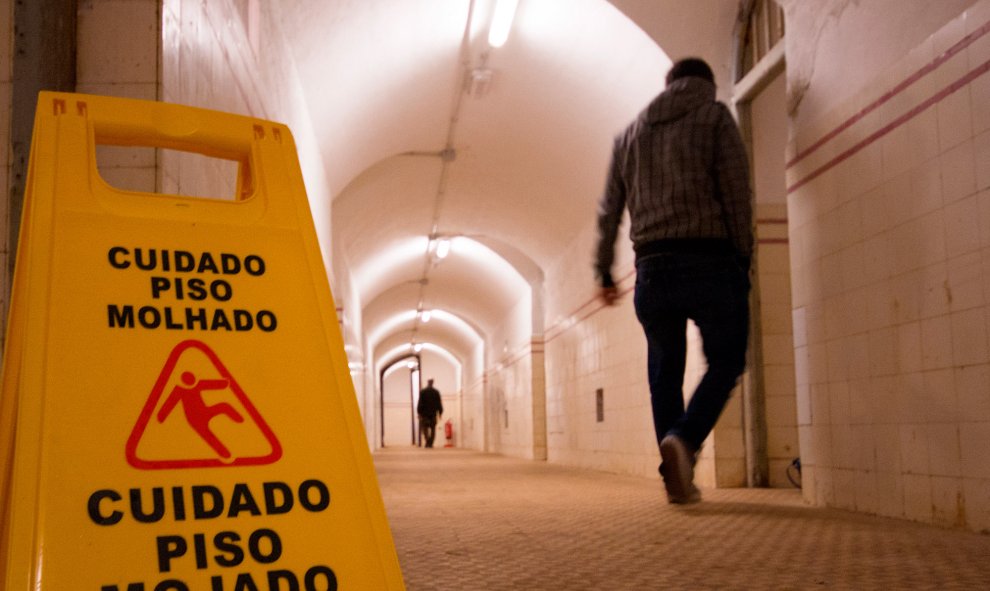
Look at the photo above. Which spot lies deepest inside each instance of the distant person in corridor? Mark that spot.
(429, 409)
(682, 172)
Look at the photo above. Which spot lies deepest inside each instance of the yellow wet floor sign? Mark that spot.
(177, 412)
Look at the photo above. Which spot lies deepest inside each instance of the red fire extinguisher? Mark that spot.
(448, 432)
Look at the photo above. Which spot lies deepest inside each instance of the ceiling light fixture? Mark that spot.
(505, 10)
(438, 248)
(443, 248)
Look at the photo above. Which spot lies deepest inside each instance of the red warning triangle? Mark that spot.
(197, 416)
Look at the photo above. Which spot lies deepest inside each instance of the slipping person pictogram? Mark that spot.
(198, 413)
(195, 378)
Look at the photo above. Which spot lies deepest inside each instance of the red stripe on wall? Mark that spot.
(960, 83)
(927, 69)
(586, 310)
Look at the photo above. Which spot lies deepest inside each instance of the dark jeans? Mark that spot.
(427, 430)
(713, 291)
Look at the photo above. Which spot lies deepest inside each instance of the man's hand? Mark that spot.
(609, 295)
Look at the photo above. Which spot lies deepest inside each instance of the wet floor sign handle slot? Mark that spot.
(258, 147)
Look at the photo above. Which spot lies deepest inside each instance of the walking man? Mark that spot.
(682, 172)
(429, 408)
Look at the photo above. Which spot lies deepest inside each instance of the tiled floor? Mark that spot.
(469, 521)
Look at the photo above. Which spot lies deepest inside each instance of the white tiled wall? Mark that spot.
(515, 387)
(509, 392)
(118, 48)
(207, 61)
(776, 342)
(117, 55)
(473, 424)
(590, 347)
(891, 262)
(192, 53)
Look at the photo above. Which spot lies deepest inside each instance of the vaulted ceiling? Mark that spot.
(426, 130)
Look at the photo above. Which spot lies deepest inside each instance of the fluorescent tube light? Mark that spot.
(443, 248)
(505, 10)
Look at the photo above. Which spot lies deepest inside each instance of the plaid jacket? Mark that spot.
(682, 171)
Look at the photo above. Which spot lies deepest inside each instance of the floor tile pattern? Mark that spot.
(467, 521)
